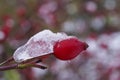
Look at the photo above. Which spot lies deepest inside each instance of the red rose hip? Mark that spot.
(69, 48)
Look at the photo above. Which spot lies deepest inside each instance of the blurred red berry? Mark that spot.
(21, 11)
(5, 17)
(6, 29)
(2, 36)
(4, 33)
(69, 48)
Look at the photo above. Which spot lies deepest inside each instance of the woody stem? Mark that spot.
(21, 66)
(13, 66)
(7, 61)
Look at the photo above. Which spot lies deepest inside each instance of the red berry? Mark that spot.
(69, 48)
(21, 11)
(6, 29)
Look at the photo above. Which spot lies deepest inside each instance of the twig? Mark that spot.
(7, 61)
(13, 66)
(21, 66)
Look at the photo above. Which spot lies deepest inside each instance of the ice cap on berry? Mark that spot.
(39, 44)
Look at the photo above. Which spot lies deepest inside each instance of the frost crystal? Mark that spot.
(40, 44)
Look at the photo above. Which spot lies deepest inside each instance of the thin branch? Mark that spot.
(7, 61)
(21, 66)
(13, 66)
